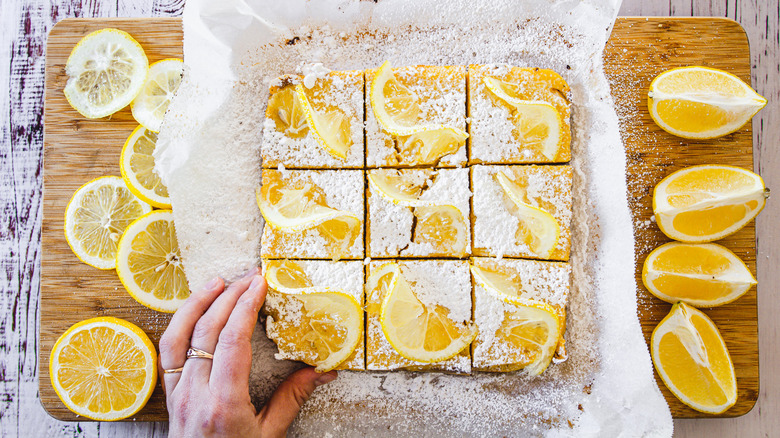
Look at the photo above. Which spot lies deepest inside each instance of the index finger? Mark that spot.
(233, 355)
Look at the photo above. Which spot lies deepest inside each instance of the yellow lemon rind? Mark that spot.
(131, 181)
(308, 110)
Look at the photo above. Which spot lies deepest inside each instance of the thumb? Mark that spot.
(285, 403)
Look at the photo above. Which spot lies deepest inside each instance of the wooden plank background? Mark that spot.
(23, 28)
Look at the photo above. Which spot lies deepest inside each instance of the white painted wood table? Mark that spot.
(24, 25)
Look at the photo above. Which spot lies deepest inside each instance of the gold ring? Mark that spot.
(173, 370)
(197, 353)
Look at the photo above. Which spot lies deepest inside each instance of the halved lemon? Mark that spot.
(702, 275)
(692, 360)
(532, 329)
(285, 109)
(106, 70)
(103, 368)
(331, 128)
(701, 102)
(538, 228)
(418, 332)
(707, 202)
(137, 166)
(430, 143)
(443, 227)
(161, 84)
(395, 107)
(538, 124)
(96, 217)
(149, 265)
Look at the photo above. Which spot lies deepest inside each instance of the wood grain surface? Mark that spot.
(78, 150)
(24, 25)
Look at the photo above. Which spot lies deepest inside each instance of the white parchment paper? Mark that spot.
(208, 154)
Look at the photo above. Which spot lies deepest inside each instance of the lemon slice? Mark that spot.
(106, 70)
(285, 109)
(288, 277)
(418, 332)
(137, 167)
(430, 143)
(152, 102)
(96, 217)
(149, 265)
(707, 202)
(539, 229)
(398, 190)
(443, 227)
(324, 335)
(701, 102)
(692, 360)
(538, 124)
(103, 368)
(395, 107)
(331, 129)
(702, 275)
(532, 329)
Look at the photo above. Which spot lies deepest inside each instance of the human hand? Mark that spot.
(211, 397)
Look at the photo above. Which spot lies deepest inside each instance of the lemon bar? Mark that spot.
(505, 327)
(443, 286)
(522, 211)
(312, 214)
(429, 95)
(289, 140)
(518, 115)
(289, 320)
(418, 213)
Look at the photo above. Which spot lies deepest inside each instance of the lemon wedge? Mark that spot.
(417, 332)
(106, 70)
(103, 368)
(96, 217)
(538, 228)
(149, 265)
(692, 360)
(707, 202)
(701, 102)
(702, 275)
(538, 124)
(161, 84)
(137, 166)
(331, 129)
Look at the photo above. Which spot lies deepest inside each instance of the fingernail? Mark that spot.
(254, 286)
(325, 378)
(212, 284)
(250, 272)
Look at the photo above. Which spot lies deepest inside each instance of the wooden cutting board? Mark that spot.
(77, 150)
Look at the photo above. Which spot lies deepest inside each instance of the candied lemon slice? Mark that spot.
(538, 228)
(532, 329)
(395, 107)
(106, 70)
(331, 129)
(702, 275)
(96, 217)
(538, 124)
(692, 360)
(161, 84)
(701, 102)
(418, 332)
(149, 265)
(443, 227)
(137, 166)
(285, 109)
(103, 368)
(707, 202)
(431, 143)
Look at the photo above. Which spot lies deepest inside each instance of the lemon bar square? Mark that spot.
(440, 228)
(290, 142)
(445, 283)
(284, 311)
(313, 190)
(518, 115)
(540, 281)
(439, 98)
(501, 229)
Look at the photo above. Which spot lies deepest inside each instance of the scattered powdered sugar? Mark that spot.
(390, 226)
(495, 225)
